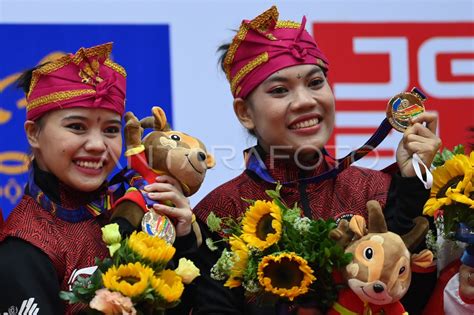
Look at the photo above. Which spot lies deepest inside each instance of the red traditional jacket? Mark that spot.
(71, 247)
(336, 198)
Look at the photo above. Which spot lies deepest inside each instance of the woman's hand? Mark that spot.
(167, 190)
(466, 283)
(418, 139)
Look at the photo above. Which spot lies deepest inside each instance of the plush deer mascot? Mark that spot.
(380, 272)
(162, 151)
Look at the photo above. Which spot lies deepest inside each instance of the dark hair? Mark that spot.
(24, 81)
(222, 50)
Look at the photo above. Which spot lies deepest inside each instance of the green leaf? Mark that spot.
(459, 149)
(69, 296)
(438, 160)
(447, 155)
(249, 201)
(272, 194)
(83, 290)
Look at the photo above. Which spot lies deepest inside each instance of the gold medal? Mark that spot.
(158, 225)
(403, 107)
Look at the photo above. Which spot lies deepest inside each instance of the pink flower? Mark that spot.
(112, 303)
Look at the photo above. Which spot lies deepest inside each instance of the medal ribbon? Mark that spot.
(416, 161)
(256, 165)
(137, 181)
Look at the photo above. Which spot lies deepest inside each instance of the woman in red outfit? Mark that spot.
(278, 79)
(74, 111)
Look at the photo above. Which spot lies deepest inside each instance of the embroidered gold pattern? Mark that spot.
(321, 63)
(270, 36)
(116, 67)
(56, 97)
(262, 22)
(287, 24)
(229, 57)
(101, 52)
(262, 58)
(238, 90)
(90, 73)
(48, 68)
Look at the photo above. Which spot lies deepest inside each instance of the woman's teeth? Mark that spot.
(305, 124)
(93, 165)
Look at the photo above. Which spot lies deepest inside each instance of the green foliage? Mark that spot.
(441, 157)
(455, 214)
(83, 289)
(306, 238)
(147, 302)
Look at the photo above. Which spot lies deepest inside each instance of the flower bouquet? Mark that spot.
(277, 255)
(135, 279)
(452, 198)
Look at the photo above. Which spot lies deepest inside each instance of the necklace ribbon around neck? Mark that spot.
(255, 164)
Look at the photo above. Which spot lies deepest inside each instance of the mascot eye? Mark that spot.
(368, 253)
(402, 270)
(175, 137)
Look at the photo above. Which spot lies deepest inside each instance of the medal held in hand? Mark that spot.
(404, 106)
(158, 225)
(400, 110)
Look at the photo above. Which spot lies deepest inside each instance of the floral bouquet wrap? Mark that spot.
(278, 256)
(135, 279)
(452, 198)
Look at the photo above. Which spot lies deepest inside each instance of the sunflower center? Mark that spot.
(453, 182)
(284, 273)
(264, 226)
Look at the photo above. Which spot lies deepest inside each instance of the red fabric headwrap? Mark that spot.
(265, 45)
(89, 78)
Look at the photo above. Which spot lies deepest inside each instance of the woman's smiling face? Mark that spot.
(80, 146)
(292, 111)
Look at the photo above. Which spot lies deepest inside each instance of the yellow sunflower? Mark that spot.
(130, 280)
(168, 285)
(262, 224)
(241, 255)
(286, 275)
(154, 249)
(452, 182)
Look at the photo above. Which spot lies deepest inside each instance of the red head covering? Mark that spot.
(265, 45)
(89, 78)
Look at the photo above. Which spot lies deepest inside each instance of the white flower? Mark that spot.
(221, 269)
(217, 274)
(302, 224)
(251, 286)
(210, 244)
